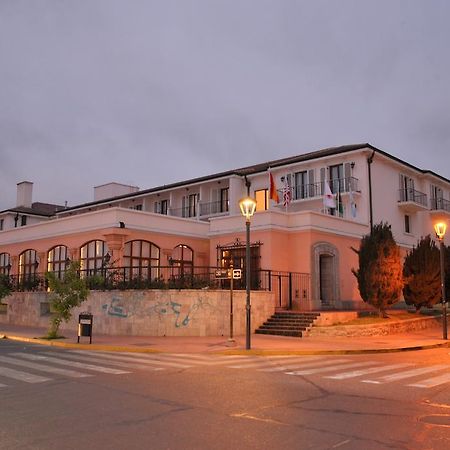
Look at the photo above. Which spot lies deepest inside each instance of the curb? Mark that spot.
(263, 352)
(81, 346)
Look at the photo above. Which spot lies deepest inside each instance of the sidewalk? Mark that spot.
(260, 344)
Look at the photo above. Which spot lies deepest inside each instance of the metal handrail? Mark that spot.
(411, 195)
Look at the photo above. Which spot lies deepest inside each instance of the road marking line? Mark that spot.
(119, 357)
(44, 368)
(431, 382)
(22, 376)
(358, 373)
(3, 385)
(111, 363)
(329, 369)
(259, 361)
(301, 365)
(407, 374)
(72, 363)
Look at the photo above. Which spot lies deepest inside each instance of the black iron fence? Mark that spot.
(288, 287)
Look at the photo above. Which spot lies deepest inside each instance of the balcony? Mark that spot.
(215, 209)
(440, 208)
(314, 191)
(411, 201)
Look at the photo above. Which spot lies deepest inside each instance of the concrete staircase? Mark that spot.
(288, 323)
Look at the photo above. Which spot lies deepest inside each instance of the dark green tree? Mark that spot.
(65, 294)
(5, 286)
(422, 275)
(380, 278)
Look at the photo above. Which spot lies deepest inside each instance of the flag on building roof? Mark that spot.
(286, 193)
(273, 194)
(329, 199)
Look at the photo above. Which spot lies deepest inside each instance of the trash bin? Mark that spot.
(85, 326)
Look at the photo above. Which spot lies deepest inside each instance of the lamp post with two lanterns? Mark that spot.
(248, 206)
(440, 229)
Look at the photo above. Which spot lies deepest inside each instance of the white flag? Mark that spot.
(329, 199)
(352, 204)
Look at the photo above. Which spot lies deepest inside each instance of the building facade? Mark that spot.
(301, 246)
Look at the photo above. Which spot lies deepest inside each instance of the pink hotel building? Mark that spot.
(303, 249)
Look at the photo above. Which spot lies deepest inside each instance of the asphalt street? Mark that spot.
(68, 399)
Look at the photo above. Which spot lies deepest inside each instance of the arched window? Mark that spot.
(57, 259)
(141, 259)
(94, 257)
(28, 264)
(182, 260)
(5, 263)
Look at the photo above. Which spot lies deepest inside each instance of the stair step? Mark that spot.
(282, 326)
(278, 332)
(294, 322)
(288, 323)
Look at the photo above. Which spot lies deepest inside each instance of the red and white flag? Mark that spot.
(329, 199)
(287, 197)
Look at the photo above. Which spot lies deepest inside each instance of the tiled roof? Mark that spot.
(37, 209)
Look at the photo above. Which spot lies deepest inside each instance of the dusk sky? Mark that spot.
(153, 92)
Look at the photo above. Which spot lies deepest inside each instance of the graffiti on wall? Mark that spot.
(182, 313)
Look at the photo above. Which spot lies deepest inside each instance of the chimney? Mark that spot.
(24, 194)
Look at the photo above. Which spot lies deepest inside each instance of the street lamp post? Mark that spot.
(248, 206)
(440, 228)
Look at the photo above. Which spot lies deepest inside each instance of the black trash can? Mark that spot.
(85, 326)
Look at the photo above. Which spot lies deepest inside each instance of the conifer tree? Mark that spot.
(380, 278)
(422, 275)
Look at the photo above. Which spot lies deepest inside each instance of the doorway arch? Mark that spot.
(325, 276)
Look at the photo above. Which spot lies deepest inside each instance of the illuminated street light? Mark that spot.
(440, 229)
(248, 206)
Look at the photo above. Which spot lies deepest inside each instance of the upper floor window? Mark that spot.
(336, 174)
(23, 221)
(406, 188)
(436, 196)
(224, 199)
(161, 207)
(5, 263)
(262, 199)
(189, 205)
(301, 184)
(137, 207)
(57, 260)
(1, 224)
(407, 224)
(94, 256)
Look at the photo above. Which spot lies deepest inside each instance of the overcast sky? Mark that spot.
(153, 92)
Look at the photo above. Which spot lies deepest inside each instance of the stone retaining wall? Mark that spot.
(396, 326)
(149, 312)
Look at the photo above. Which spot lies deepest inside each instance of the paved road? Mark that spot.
(54, 398)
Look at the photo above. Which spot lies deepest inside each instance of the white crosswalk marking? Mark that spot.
(22, 376)
(329, 369)
(358, 373)
(3, 385)
(109, 362)
(302, 364)
(44, 368)
(66, 362)
(123, 357)
(257, 361)
(407, 374)
(431, 382)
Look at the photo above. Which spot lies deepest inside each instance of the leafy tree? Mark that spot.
(380, 278)
(422, 275)
(5, 286)
(65, 294)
